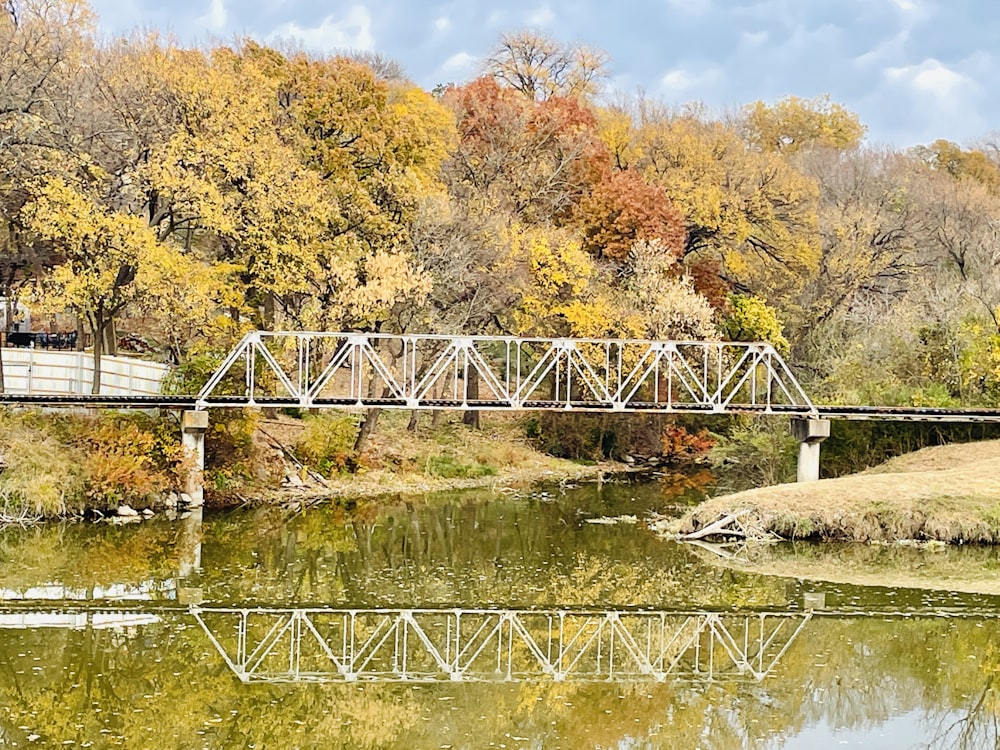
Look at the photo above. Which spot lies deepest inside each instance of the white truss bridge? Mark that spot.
(497, 645)
(363, 370)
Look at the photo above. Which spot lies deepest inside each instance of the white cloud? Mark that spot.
(541, 16)
(753, 39)
(216, 17)
(460, 63)
(684, 81)
(442, 24)
(932, 78)
(353, 31)
(908, 6)
(912, 12)
(891, 48)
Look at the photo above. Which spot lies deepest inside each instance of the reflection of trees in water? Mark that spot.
(977, 724)
(858, 673)
(160, 686)
(86, 555)
(163, 686)
(481, 552)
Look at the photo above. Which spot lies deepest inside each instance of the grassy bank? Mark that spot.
(62, 464)
(316, 457)
(947, 493)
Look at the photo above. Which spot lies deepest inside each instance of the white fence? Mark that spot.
(38, 372)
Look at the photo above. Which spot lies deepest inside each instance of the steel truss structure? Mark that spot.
(489, 645)
(361, 370)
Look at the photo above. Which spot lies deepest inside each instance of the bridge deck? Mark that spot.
(896, 413)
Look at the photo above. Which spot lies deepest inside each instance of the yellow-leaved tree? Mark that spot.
(554, 277)
(229, 181)
(108, 261)
(793, 124)
(375, 148)
(747, 210)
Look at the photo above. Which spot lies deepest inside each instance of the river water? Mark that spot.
(473, 620)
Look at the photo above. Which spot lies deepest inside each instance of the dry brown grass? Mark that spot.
(398, 462)
(948, 493)
(940, 457)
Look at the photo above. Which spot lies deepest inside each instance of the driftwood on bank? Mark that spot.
(302, 468)
(737, 525)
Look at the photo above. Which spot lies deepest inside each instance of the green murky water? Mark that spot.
(80, 667)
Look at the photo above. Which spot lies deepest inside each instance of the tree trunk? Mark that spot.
(371, 416)
(411, 426)
(8, 316)
(110, 338)
(368, 426)
(269, 412)
(471, 417)
(269, 311)
(81, 332)
(97, 327)
(437, 413)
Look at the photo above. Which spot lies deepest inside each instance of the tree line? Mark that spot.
(191, 194)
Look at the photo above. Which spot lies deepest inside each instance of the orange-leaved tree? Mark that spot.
(623, 209)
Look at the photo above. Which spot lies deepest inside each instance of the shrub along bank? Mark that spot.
(60, 464)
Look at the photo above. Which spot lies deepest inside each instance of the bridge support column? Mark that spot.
(810, 433)
(193, 426)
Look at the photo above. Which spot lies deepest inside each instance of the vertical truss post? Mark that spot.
(250, 368)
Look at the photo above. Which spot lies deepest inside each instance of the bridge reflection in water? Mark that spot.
(490, 645)
(323, 645)
(434, 645)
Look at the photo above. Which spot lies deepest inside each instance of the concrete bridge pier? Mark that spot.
(193, 427)
(810, 432)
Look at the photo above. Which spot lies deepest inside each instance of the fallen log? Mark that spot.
(717, 528)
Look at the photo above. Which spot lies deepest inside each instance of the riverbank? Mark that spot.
(110, 464)
(947, 494)
(432, 458)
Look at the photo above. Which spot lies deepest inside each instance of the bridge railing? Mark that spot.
(495, 372)
(39, 372)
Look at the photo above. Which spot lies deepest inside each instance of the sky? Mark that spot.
(913, 70)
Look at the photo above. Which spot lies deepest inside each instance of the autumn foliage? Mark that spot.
(191, 195)
(624, 209)
(534, 159)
